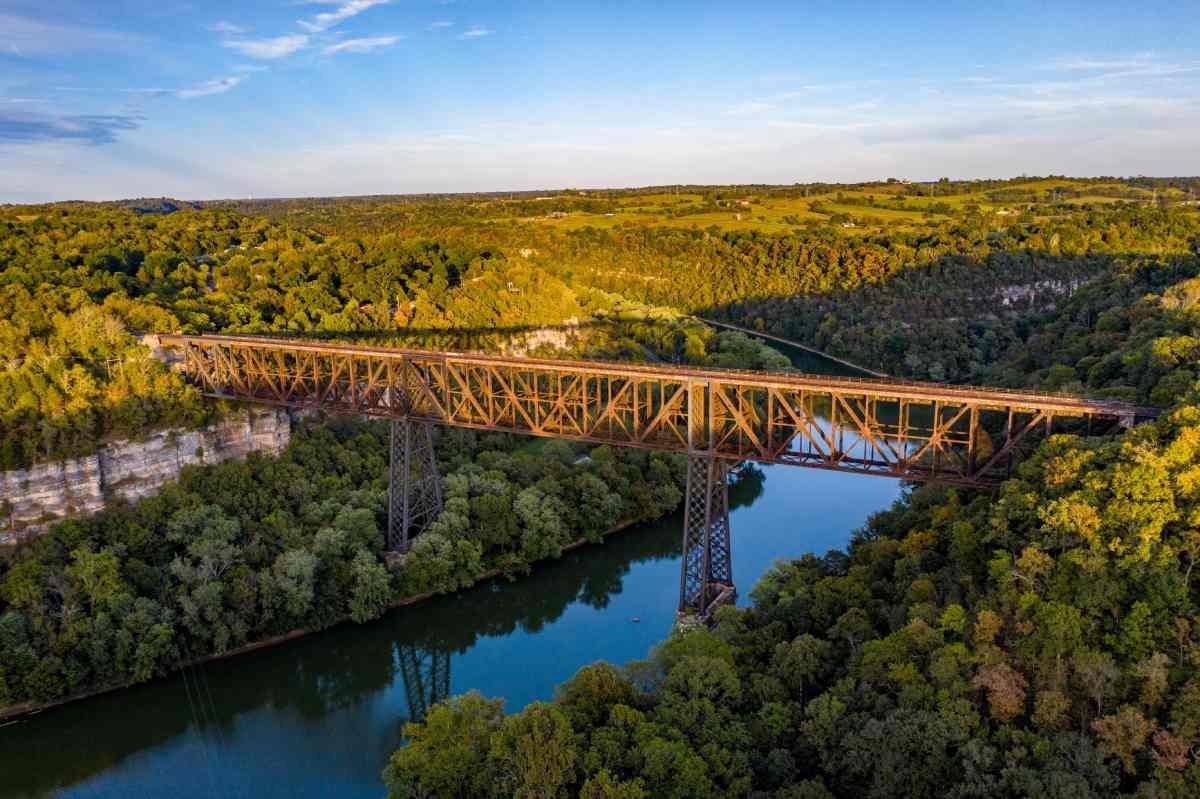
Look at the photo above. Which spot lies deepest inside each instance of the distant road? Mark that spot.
(795, 344)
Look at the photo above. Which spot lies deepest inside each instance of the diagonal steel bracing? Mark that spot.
(914, 431)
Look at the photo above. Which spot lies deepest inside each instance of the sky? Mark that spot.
(108, 99)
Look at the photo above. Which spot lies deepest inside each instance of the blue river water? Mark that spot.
(319, 716)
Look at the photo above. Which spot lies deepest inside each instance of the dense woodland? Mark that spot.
(957, 303)
(81, 285)
(1039, 643)
(1041, 640)
(958, 297)
(240, 552)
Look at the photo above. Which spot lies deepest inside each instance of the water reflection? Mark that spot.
(426, 678)
(224, 721)
(320, 715)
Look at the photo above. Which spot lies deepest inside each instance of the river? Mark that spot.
(319, 716)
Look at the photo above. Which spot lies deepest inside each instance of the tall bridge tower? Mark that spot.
(414, 484)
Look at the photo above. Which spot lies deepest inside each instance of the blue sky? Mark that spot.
(103, 99)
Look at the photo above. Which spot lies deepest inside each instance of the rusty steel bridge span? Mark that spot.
(717, 417)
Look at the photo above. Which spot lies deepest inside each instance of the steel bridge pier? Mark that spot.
(706, 575)
(957, 435)
(414, 485)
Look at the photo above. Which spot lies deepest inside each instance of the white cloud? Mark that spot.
(441, 23)
(1110, 104)
(23, 36)
(227, 28)
(217, 86)
(145, 92)
(510, 154)
(1087, 64)
(1098, 70)
(748, 108)
(363, 45)
(759, 105)
(475, 32)
(804, 91)
(267, 49)
(24, 127)
(327, 19)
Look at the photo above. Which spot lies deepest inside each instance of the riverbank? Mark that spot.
(23, 709)
(319, 716)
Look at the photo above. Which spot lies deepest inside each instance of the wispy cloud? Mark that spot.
(475, 32)
(217, 86)
(21, 128)
(327, 19)
(1106, 78)
(214, 86)
(748, 108)
(227, 28)
(268, 49)
(1108, 104)
(1078, 64)
(150, 93)
(441, 23)
(760, 105)
(363, 45)
(1143, 65)
(23, 36)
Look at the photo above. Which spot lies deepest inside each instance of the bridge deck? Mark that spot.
(900, 428)
(896, 388)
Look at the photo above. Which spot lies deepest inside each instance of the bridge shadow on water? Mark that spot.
(351, 687)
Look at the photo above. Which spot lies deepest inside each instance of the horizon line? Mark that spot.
(501, 193)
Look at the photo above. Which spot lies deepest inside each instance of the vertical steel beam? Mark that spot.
(414, 485)
(706, 574)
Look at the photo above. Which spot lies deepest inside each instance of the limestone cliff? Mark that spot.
(35, 497)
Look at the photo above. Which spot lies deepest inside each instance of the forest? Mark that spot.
(241, 552)
(1040, 643)
(1041, 640)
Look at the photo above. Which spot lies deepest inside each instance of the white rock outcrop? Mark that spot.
(36, 497)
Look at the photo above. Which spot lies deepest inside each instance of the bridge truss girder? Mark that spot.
(914, 431)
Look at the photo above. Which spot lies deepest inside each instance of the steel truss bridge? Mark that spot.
(717, 417)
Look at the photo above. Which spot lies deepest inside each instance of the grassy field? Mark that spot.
(854, 211)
